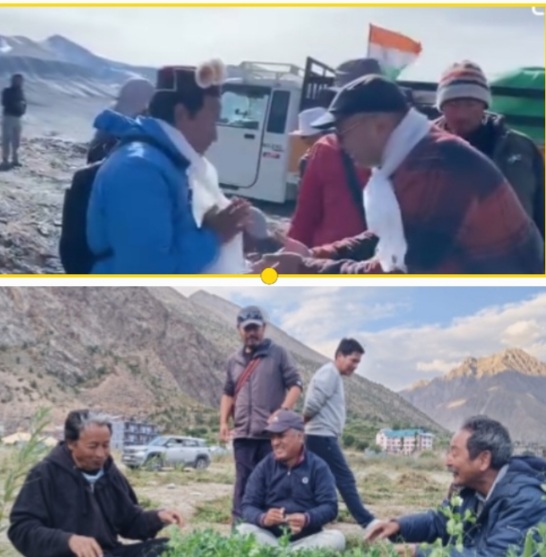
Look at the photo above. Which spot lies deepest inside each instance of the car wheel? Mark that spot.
(154, 463)
(201, 463)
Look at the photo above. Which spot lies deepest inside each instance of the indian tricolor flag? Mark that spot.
(393, 50)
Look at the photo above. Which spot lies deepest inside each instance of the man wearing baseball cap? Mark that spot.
(261, 380)
(463, 98)
(329, 206)
(139, 218)
(433, 204)
(291, 488)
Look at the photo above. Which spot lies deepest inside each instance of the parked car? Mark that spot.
(168, 450)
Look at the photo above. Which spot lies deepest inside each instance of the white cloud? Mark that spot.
(401, 355)
(398, 357)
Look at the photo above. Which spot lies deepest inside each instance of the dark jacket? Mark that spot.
(518, 158)
(516, 505)
(264, 391)
(460, 216)
(56, 502)
(13, 101)
(308, 488)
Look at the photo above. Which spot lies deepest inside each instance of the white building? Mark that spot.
(404, 441)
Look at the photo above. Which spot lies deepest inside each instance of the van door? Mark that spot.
(281, 120)
(237, 151)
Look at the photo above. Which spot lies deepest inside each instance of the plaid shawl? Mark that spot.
(460, 216)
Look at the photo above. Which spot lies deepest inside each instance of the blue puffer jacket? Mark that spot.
(516, 505)
(308, 488)
(140, 207)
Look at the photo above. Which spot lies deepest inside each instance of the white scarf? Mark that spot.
(206, 194)
(383, 214)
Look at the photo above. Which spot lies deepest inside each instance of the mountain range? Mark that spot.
(509, 386)
(142, 352)
(66, 84)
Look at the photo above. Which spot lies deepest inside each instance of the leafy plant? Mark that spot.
(17, 464)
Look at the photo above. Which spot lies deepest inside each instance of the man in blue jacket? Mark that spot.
(139, 218)
(291, 489)
(505, 495)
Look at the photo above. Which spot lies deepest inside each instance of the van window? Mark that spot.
(244, 106)
(278, 112)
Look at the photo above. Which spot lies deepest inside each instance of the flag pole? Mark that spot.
(369, 39)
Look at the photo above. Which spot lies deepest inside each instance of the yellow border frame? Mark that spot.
(277, 5)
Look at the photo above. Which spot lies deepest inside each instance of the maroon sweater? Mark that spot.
(460, 216)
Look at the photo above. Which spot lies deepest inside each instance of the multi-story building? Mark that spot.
(404, 441)
(131, 432)
(125, 432)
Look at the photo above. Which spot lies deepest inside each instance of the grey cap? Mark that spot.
(353, 69)
(251, 315)
(285, 420)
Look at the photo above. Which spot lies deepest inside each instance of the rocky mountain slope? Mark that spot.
(137, 352)
(509, 386)
(66, 84)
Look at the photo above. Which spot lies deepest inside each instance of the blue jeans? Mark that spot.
(329, 450)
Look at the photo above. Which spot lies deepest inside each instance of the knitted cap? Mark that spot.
(463, 80)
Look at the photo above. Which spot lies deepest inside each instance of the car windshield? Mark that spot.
(159, 441)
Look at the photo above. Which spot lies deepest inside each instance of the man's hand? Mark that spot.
(285, 262)
(294, 246)
(224, 433)
(404, 550)
(274, 517)
(169, 516)
(82, 546)
(381, 531)
(228, 222)
(296, 522)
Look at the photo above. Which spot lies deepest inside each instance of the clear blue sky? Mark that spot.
(498, 38)
(409, 333)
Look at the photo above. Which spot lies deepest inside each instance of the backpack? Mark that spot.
(76, 256)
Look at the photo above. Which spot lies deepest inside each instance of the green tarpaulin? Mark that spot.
(522, 113)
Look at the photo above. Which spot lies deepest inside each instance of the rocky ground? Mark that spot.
(31, 200)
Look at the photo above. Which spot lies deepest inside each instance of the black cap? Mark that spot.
(251, 315)
(367, 94)
(285, 420)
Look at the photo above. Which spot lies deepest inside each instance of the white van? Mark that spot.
(255, 154)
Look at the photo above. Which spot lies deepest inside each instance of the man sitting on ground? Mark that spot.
(291, 488)
(77, 502)
(505, 494)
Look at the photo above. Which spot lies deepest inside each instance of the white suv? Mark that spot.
(168, 450)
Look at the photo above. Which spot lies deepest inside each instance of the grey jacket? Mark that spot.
(264, 392)
(325, 403)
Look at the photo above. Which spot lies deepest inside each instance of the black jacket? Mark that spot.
(56, 501)
(14, 102)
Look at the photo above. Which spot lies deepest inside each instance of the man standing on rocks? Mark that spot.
(261, 380)
(14, 106)
(324, 413)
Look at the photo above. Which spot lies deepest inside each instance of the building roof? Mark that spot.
(401, 433)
